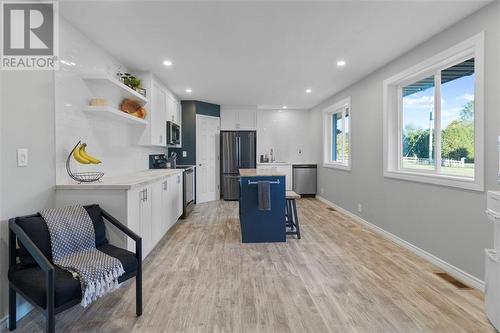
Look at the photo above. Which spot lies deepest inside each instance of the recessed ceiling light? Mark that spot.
(188, 90)
(308, 91)
(341, 63)
(167, 63)
(284, 107)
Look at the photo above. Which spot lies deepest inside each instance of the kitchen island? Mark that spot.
(262, 222)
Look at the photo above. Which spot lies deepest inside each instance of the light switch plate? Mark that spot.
(22, 157)
(184, 153)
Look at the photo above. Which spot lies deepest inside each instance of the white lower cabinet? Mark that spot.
(492, 287)
(492, 266)
(176, 199)
(283, 168)
(158, 209)
(139, 210)
(167, 195)
(149, 210)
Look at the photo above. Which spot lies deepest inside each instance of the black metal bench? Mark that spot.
(50, 289)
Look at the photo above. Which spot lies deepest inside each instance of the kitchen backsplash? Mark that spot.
(287, 133)
(115, 143)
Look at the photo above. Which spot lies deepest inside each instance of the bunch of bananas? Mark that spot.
(82, 156)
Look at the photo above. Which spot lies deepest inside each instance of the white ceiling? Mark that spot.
(261, 53)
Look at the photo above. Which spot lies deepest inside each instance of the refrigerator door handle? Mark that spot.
(238, 149)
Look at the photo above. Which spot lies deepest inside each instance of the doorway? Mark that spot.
(207, 158)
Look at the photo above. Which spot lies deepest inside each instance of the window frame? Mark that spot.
(337, 108)
(392, 100)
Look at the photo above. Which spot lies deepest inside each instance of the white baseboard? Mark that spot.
(22, 310)
(448, 268)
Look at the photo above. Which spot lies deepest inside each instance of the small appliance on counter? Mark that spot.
(160, 161)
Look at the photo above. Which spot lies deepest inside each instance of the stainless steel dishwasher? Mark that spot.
(305, 179)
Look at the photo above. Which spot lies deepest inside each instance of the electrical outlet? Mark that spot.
(184, 153)
(322, 190)
(22, 157)
(360, 208)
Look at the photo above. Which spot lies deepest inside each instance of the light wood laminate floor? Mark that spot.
(340, 277)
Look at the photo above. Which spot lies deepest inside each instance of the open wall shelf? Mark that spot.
(114, 114)
(105, 86)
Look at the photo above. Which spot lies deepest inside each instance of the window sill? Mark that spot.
(441, 180)
(340, 166)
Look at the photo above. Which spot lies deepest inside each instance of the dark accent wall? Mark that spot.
(189, 111)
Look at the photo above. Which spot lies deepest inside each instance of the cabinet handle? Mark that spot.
(143, 195)
(165, 185)
(178, 179)
(161, 138)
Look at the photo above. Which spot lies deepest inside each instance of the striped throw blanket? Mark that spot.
(72, 236)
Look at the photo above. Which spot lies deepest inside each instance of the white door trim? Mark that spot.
(217, 159)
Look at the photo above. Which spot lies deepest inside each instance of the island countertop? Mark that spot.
(260, 173)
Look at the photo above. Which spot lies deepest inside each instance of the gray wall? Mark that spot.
(446, 222)
(27, 121)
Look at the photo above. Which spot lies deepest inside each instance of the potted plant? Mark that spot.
(131, 81)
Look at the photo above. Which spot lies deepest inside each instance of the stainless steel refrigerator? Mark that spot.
(238, 152)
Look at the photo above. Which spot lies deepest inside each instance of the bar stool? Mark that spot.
(291, 216)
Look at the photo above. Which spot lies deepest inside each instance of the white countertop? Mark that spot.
(259, 172)
(286, 163)
(274, 163)
(124, 182)
(308, 163)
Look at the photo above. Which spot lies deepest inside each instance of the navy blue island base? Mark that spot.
(259, 226)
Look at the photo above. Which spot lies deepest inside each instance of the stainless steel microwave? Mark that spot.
(173, 133)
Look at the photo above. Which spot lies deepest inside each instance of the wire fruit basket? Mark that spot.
(82, 177)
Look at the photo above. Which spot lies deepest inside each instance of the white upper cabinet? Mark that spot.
(173, 110)
(247, 119)
(178, 112)
(162, 107)
(158, 115)
(238, 117)
(227, 119)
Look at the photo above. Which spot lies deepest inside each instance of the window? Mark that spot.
(433, 119)
(336, 135)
